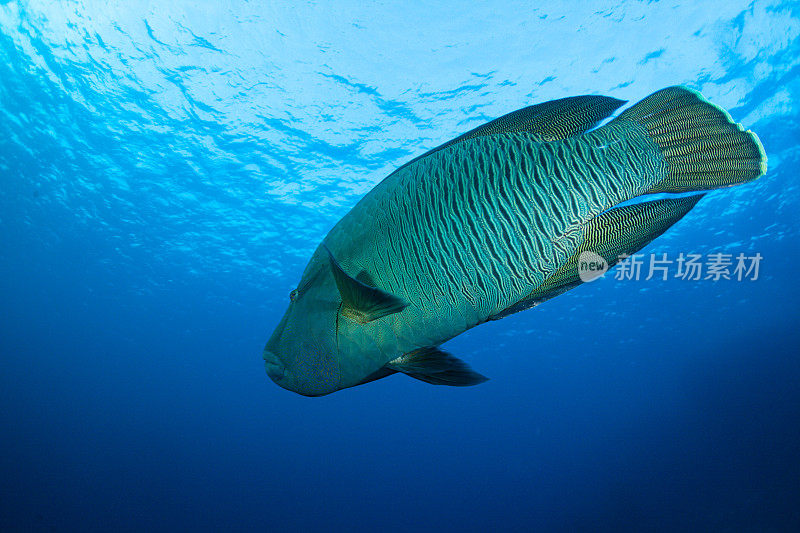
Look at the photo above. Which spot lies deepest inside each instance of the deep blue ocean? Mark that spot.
(167, 169)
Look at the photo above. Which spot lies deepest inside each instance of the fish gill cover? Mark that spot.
(168, 168)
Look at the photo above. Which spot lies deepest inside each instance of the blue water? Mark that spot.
(167, 169)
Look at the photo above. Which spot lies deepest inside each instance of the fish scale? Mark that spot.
(493, 223)
(462, 176)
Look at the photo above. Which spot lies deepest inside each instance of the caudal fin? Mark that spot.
(702, 146)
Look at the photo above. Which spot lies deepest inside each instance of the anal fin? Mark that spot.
(619, 231)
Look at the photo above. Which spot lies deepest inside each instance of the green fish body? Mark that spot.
(492, 223)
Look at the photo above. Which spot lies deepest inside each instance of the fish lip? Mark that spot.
(275, 370)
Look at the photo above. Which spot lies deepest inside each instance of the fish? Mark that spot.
(494, 222)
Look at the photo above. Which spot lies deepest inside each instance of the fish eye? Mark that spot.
(293, 295)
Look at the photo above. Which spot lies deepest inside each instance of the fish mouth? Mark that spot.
(275, 369)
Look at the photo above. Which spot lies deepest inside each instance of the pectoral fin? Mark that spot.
(437, 367)
(619, 231)
(362, 302)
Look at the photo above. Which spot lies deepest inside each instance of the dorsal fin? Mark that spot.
(619, 231)
(551, 121)
(548, 121)
(361, 302)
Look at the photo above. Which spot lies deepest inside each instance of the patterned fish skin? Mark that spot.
(613, 234)
(462, 234)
